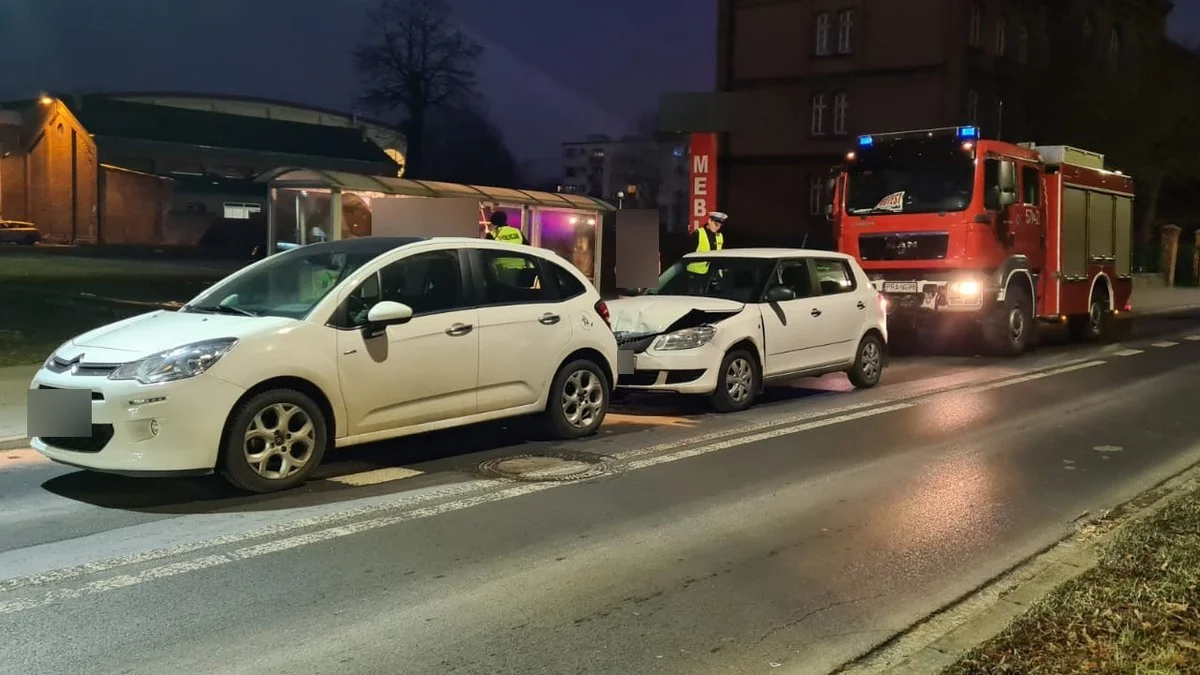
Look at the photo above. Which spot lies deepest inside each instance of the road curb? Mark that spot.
(14, 442)
(942, 638)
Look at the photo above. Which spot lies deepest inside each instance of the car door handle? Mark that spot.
(459, 329)
(549, 319)
(862, 305)
(816, 312)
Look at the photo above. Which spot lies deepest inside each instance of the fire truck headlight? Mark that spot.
(966, 288)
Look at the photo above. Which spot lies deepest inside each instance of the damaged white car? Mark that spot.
(725, 323)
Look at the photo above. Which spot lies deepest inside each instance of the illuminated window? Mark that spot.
(239, 211)
(821, 38)
(975, 35)
(841, 108)
(816, 195)
(845, 43)
(819, 104)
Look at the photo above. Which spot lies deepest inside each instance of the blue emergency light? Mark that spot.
(968, 132)
(865, 141)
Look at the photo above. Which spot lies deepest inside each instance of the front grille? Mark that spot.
(96, 396)
(916, 246)
(60, 365)
(101, 435)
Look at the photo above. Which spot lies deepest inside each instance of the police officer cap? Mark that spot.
(718, 216)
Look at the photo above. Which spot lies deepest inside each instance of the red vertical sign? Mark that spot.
(702, 164)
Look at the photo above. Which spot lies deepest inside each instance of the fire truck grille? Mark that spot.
(918, 246)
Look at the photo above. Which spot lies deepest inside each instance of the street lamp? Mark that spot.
(620, 199)
(45, 100)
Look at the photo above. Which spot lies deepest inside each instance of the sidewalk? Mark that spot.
(14, 382)
(1149, 301)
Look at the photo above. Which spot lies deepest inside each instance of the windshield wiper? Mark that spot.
(221, 309)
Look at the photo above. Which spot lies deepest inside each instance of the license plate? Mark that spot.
(626, 362)
(900, 287)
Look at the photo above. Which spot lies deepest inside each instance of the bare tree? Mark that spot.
(413, 61)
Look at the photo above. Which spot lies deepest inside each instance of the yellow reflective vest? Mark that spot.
(704, 244)
(508, 234)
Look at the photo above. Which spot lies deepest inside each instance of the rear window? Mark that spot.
(834, 275)
(569, 286)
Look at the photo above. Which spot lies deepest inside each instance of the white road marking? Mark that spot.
(1164, 344)
(1193, 338)
(1128, 352)
(348, 529)
(375, 477)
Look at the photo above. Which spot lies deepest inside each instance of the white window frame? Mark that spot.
(841, 110)
(240, 210)
(816, 194)
(845, 41)
(975, 32)
(1001, 37)
(823, 26)
(819, 106)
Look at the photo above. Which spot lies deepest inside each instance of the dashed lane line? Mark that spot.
(1193, 338)
(376, 477)
(1128, 352)
(331, 532)
(1165, 343)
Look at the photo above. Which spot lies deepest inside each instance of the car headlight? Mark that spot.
(179, 363)
(688, 338)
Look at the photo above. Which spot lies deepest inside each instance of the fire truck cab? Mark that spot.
(958, 231)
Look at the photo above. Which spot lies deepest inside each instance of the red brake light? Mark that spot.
(602, 310)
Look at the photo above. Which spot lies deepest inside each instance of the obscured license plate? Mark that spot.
(64, 413)
(626, 362)
(900, 287)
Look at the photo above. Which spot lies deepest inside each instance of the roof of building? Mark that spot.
(103, 116)
(203, 96)
(312, 178)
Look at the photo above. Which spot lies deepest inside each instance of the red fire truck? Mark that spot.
(958, 231)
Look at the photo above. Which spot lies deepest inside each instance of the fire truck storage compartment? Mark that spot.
(1074, 234)
(1100, 227)
(1123, 237)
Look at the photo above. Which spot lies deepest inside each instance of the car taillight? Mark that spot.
(602, 310)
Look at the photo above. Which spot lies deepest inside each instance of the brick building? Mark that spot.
(813, 74)
(143, 169)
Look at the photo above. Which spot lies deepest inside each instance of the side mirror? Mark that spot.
(1007, 198)
(780, 294)
(388, 313)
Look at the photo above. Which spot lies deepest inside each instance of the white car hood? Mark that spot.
(655, 313)
(140, 336)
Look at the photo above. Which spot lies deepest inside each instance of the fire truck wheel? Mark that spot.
(1009, 329)
(1096, 326)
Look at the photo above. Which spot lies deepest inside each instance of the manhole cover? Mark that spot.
(540, 468)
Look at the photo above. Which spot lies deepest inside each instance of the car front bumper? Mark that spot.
(687, 371)
(171, 428)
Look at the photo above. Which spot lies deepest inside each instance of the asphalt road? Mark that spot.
(790, 538)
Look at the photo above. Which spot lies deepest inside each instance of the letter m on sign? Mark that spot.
(702, 153)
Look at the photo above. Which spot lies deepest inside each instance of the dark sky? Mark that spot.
(554, 70)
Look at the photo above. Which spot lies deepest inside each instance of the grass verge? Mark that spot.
(1137, 611)
(46, 300)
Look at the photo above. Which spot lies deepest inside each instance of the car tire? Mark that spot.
(738, 382)
(578, 400)
(868, 363)
(284, 430)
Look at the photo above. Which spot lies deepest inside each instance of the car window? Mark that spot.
(835, 276)
(510, 278)
(569, 286)
(739, 279)
(794, 275)
(427, 282)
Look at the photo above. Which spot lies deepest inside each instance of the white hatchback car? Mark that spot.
(337, 344)
(724, 323)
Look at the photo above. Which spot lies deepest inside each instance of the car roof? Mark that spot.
(771, 253)
(378, 245)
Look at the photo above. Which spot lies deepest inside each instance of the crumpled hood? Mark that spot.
(647, 314)
(140, 336)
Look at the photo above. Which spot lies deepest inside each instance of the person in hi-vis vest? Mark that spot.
(502, 231)
(708, 238)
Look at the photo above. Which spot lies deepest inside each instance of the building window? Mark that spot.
(841, 106)
(816, 194)
(845, 43)
(819, 104)
(1114, 45)
(821, 38)
(975, 35)
(972, 107)
(1023, 44)
(1001, 37)
(239, 211)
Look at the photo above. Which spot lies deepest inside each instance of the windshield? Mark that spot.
(910, 177)
(738, 279)
(287, 284)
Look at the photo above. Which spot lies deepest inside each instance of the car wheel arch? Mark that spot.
(592, 354)
(294, 383)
